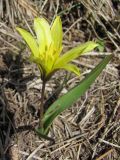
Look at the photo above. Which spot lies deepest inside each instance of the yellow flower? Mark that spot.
(47, 46)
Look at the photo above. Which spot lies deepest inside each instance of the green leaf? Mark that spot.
(75, 52)
(68, 99)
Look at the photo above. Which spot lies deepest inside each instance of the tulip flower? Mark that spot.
(46, 48)
(46, 51)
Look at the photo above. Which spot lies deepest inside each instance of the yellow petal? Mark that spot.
(57, 33)
(43, 33)
(49, 56)
(29, 39)
(71, 67)
(75, 52)
(40, 35)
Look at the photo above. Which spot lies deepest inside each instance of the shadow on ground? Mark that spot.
(11, 78)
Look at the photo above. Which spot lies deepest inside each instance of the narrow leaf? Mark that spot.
(68, 99)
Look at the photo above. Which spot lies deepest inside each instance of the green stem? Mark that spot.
(42, 105)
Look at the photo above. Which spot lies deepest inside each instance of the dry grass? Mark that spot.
(90, 129)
